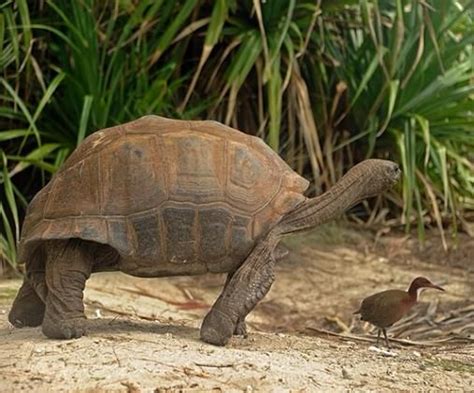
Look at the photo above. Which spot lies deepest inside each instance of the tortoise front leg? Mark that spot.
(27, 308)
(247, 286)
(241, 326)
(68, 266)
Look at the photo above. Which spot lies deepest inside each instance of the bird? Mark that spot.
(385, 308)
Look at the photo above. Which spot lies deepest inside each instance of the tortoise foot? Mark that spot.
(26, 317)
(64, 329)
(27, 309)
(217, 328)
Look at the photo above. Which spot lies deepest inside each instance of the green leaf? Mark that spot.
(23, 108)
(274, 104)
(35, 157)
(8, 244)
(86, 109)
(13, 134)
(10, 196)
(393, 93)
(25, 20)
(425, 128)
(2, 36)
(48, 94)
(218, 18)
(169, 34)
(366, 78)
(244, 59)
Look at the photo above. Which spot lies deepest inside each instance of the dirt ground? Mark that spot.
(144, 333)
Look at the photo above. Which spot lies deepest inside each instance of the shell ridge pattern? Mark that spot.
(99, 180)
(166, 191)
(276, 188)
(231, 224)
(158, 147)
(196, 173)
(95, 140)
(218, 204)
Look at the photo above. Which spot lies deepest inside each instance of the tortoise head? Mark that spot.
(372, 177)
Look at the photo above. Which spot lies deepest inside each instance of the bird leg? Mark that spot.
(378, 336)
(244, 289)
(386, 338)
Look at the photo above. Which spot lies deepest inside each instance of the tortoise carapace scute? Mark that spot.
(171, 197)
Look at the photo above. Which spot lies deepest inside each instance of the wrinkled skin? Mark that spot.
(247, 286)
(69, 264)
(27, 309)
(254, 278)
(61, 313)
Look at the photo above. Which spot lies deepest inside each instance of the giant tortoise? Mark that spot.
(159, 197)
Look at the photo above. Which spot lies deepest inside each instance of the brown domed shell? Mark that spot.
(173, 192)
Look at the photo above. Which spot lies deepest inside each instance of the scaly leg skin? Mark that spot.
(241, 326)
(28, 308)
(68, 266)
(378, 336)
(247, 286)
(386, 338)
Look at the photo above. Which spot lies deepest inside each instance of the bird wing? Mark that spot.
(385, 308)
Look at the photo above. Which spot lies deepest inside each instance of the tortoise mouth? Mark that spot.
(396, 173)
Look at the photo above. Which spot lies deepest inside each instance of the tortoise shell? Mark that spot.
(171, 197)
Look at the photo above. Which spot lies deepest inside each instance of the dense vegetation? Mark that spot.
(325, 83)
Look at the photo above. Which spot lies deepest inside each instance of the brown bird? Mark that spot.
(385, 308)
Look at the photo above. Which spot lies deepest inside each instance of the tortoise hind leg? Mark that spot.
(29, 305)
(247, 286)
(69, 265)
(27, 309)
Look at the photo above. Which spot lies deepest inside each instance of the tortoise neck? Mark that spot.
(316, 211)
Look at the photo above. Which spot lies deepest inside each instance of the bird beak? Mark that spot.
(437, 287)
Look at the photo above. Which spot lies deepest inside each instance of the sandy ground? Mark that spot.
(144, 333)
